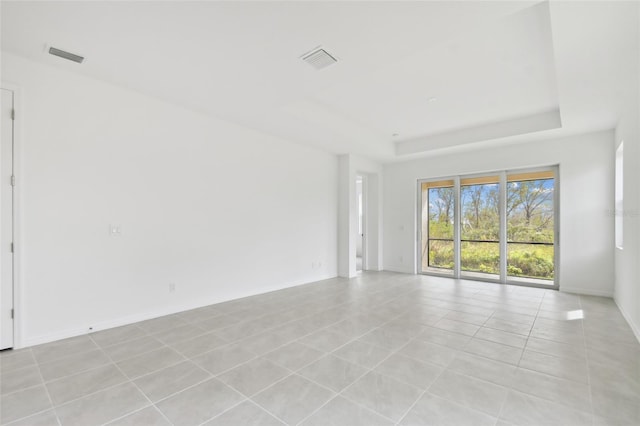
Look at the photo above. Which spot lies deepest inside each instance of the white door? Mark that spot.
(6, 221)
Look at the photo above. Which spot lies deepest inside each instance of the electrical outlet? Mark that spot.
(115, 230)
(172, 287)
(401, 259)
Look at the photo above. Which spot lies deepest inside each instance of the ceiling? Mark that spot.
(412, 78)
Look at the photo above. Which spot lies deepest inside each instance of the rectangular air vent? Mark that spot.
(66, 55)
(319, 58)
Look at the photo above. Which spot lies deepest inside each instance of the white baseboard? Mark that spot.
(104, 325)
(627, 317)
(586, 291)
(118, 322)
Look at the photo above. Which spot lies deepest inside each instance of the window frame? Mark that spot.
(503, 277)
(618, 208)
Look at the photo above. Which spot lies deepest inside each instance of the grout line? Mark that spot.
(231, 408)
(424, 393)
(336, 395)
(91, 335)
(139, 390)
(341, 392)
(85, 370)
(37, 413)
(530, 330)
(66, 357)
(326, 354)
(504, 402)
(291, 374)
(131, 413)
(369, 370)
(163, 345)
(188, 388)
(55, 412)
(586, 355)
(4, 371)
(25, 388)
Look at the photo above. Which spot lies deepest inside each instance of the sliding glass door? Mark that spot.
(531, 227)
(438, 227)
(480, 227)
(498, 227)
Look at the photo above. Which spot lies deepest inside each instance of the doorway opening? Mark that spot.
(360, 243)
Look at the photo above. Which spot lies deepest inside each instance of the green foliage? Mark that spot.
(530, 261)
(441, 254)
(529, 233)
(441, 230)
(524, 260)
(480, 257)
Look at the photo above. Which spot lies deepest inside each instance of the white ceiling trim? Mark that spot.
(516, 126)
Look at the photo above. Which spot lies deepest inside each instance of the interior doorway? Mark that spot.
(7, 183)
(360, 243)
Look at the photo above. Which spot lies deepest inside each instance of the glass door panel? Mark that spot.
(437, 248)
(480, 227)
(531, 227)
(497, 227)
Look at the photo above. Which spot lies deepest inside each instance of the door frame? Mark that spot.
(363, 236)
(556, 227)
(17, 246)
(419, 236)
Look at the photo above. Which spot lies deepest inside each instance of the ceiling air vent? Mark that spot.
(66, 55)
(319, 58)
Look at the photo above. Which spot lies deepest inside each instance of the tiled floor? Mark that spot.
(380, 349)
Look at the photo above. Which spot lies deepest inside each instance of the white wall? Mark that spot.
(627, 273)
(586, 197)
(215, 208)
(627, 269)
